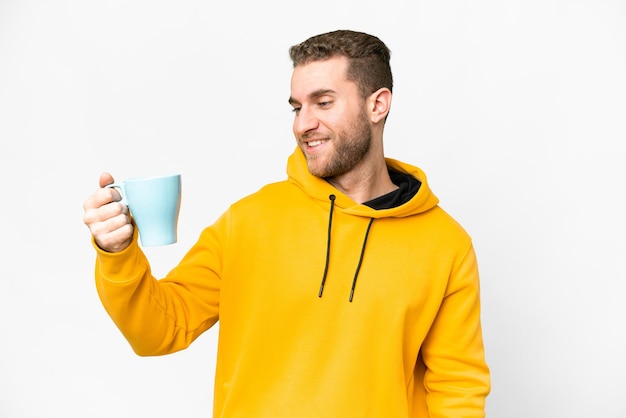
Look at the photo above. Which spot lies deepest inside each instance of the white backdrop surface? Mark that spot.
(515, 109)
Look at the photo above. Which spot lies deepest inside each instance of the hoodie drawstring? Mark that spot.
(330, 223)
(358, 267)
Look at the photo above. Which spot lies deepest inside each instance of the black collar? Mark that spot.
(407, 188)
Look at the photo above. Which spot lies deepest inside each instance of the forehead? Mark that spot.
(329, 74)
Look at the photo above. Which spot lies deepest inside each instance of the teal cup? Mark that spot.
(154, 204)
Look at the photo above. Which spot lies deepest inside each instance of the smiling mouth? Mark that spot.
(314, 143)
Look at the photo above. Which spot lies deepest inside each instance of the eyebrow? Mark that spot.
(313, 95)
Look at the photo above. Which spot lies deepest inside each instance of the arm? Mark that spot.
(457, 378)
(156, 317)
(160, 316)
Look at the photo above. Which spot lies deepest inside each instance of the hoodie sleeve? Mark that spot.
(457, 377)
(161, 316)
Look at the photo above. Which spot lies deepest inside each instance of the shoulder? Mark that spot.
(272, 195)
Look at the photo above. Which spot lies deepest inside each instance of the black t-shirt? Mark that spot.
(407, 188)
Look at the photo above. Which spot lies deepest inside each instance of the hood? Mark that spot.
(319, 189)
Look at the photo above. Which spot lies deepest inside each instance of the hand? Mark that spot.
(108, 220)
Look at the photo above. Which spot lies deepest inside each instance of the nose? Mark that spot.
(304, 121)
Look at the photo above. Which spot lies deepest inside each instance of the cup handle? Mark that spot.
(120, 187)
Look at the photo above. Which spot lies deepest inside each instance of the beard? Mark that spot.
(350, 148)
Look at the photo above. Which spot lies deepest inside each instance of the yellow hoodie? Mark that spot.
(407, 344)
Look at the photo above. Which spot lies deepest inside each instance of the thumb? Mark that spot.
(106, 179)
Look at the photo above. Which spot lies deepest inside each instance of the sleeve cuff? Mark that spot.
(123, 266)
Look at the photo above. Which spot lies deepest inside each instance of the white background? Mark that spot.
(515, 109)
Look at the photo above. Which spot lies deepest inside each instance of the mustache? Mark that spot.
(313, 136)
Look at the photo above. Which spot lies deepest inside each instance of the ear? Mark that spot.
(379, 104)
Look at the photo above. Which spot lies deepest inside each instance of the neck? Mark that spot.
(364, 185)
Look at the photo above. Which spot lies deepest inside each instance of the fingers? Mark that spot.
(115, 233)
(111, 213)
(102, 197)
(110, 225)
(108, 220)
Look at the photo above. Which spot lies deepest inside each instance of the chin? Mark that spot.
(316, 172)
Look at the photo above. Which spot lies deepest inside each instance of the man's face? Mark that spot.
(330, 124)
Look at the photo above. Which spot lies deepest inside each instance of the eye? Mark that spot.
(323, 104)
(296, 110)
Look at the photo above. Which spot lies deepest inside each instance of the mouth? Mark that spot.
(314, 143)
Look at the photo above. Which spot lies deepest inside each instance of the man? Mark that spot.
(343, 291)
